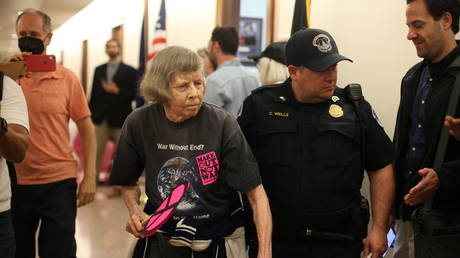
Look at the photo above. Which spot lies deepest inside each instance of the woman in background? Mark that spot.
(208, 65)
(272, 64)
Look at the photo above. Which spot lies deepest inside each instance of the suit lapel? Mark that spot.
(104, 72)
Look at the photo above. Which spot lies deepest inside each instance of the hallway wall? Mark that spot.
(189, 23)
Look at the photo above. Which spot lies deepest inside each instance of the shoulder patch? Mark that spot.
(240, 111)
(374, 115)
(266, 87)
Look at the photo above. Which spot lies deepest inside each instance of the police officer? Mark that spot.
(313, 141)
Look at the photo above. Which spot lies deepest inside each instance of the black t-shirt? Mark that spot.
(208, 150)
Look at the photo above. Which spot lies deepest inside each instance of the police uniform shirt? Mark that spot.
(309, 154)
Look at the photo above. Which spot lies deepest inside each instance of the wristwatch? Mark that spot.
(3, 126)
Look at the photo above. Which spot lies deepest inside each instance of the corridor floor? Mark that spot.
(100, 230)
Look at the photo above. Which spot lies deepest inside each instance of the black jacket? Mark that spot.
(110, 107)
(443, 75)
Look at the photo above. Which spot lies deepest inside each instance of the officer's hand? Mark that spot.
(454, 126)
(424, 189)
(19, 56)
(375, 244)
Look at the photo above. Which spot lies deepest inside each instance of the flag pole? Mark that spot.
(270, 38)
(146, 29)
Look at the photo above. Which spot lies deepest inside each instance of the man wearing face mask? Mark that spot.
(46, 185)
(114, 88)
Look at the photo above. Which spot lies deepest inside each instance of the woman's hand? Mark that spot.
(136, 224)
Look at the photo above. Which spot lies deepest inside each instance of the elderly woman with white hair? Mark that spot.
(186, 144)
(272, 64)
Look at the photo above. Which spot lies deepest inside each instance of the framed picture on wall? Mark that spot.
(250, 36)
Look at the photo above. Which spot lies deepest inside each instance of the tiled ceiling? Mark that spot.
(59, 11)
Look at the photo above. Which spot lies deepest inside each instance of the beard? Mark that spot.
(113, 54)
(212, 59)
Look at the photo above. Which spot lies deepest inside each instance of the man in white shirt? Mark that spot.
(14, 141)
(231, 83)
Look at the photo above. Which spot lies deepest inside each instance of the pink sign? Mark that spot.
(209, 167)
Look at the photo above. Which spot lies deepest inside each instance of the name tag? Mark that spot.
(280, 114)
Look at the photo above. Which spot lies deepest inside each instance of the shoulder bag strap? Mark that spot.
(444, 138)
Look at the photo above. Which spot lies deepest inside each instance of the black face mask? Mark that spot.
(29, 44)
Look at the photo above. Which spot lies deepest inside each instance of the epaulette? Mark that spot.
(266, 87)
(339, 91)
(455, 63)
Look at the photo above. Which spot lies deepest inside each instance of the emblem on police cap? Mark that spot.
(322, 42)
(335, 111)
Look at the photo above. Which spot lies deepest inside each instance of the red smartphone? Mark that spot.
(40, 63)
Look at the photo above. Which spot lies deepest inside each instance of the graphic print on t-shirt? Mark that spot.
(176, 171)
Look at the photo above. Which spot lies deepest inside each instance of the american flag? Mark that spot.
(159, 34)
(158, 43)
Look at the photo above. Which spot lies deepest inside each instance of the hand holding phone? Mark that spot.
(40, 63)
(14, 70)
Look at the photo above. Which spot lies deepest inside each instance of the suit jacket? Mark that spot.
(114, 108)
(447, 196)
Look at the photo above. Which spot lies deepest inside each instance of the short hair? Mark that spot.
(114, 40)
(45, 18)
(227, 37)
(271, 71)
(175, 59)
(438, 7)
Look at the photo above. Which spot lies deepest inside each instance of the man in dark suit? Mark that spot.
(114, 88)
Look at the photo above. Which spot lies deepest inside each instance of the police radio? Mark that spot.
(355, 94)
